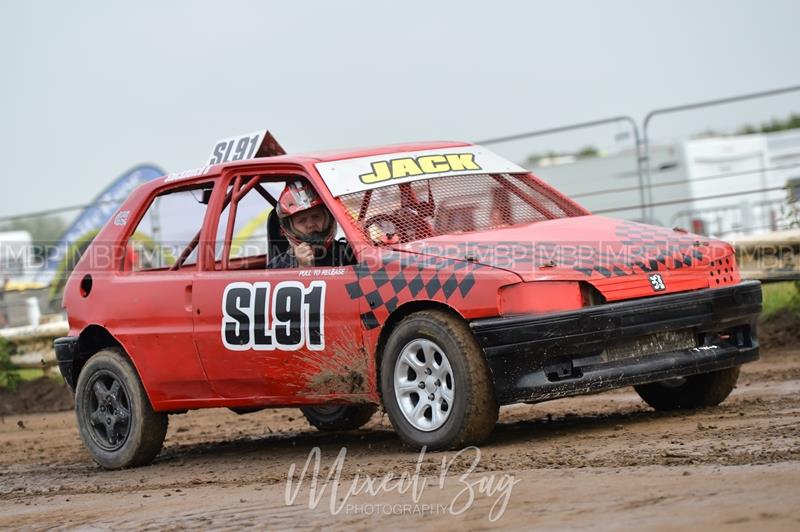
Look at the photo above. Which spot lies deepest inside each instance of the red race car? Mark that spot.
(435, 279)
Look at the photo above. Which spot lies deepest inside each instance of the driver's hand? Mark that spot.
(304, 255)
(389, 239)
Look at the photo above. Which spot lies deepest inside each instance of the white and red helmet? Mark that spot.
(297, 197)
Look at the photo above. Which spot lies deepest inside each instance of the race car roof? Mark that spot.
(346, 171)
(314, 157)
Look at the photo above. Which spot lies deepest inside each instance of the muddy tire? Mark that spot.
(335, 418)
(696, 391)
(115, 419)
(435, 383)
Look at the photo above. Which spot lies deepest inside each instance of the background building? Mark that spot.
(723, 186)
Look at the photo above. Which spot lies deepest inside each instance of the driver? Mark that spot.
(310, 229)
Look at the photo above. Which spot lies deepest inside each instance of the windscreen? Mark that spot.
(406, 212)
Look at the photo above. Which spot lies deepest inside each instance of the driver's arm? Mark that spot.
(345, 256)
(284, 260)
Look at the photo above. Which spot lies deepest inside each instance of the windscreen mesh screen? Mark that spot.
(456, 204)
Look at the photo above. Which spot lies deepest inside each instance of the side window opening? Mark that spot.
(248, 234)
(166, 236)
(253, 200)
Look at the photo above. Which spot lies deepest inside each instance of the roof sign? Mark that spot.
(248, 146)
(364, 173)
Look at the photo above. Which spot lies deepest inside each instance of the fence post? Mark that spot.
(687, 107)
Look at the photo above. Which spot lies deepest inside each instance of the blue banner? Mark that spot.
(97, 214)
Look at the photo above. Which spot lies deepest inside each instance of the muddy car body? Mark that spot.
(473, 285)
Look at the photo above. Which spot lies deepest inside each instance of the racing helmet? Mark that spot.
(297, 197)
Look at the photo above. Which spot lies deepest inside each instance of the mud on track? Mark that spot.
(604, 461)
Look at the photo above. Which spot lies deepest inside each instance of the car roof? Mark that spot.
(192, 176)
(325, 156)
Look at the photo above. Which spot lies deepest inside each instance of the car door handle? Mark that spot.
(187, 298)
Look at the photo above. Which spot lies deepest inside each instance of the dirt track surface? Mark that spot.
(602, 462)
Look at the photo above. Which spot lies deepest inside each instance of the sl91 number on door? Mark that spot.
(288, 316)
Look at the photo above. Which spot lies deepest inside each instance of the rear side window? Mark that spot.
(168, 229)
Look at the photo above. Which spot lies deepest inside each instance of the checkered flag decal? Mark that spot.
(644, 248)
(403, 277)
(637, 248)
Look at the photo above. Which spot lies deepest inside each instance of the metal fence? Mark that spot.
(666, 191)
(24, 307)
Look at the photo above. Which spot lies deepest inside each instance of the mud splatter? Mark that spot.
(344, 366)
(329, 382)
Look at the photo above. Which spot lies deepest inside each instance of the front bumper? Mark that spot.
(536, 358)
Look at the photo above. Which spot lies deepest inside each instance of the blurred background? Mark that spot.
(684, 113)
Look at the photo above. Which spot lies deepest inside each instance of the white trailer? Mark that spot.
(16, 255)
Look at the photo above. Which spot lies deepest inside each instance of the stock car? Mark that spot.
(474, 284)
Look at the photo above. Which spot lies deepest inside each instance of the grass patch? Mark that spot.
(780, 296)
(11, 376)
(9, 379)
(29, 374)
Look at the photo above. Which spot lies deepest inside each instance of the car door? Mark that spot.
(286, 336)
(153, 296)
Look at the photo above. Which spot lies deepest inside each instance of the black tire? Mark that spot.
(696, 391)
(110, 394)
(473, 414)
(333, 418)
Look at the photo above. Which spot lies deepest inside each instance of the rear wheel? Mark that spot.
(115, 419)
(333, 418)
(436, 385)
(695, 391)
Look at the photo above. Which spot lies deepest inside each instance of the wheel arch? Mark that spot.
(92, 339)
(396, 317)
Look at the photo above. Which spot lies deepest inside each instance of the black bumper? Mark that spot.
(557, 355)
(66, 352)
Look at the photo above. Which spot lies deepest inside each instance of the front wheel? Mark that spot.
(115, 419)
(435, 383)
(695, 391)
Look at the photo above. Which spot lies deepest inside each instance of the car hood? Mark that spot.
(618, 257)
